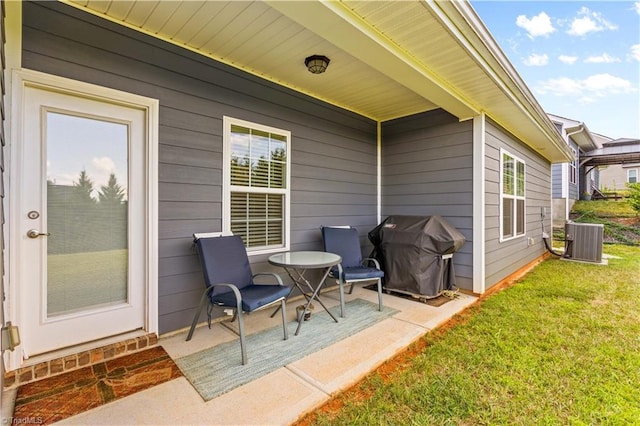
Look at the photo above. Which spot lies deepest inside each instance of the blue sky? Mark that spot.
(581, 59)
(76, 143)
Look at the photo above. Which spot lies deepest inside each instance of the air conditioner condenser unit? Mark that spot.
(583, 241)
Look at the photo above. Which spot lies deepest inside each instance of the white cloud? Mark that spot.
(535, 60)
(569, 60)
(589, 22)
(602, 59)
(635, 51)
(585, 100)
(637, 7)
(560, 86)
(539, 25)
(66, 179)
(102, 168)
(104, 164)
(605, 84)
(598, 85)
(582, 26)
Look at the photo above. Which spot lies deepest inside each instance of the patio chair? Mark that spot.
(345, 242)
(230, 283)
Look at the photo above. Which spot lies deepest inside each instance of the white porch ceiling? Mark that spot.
(259, 39)
(389, 59)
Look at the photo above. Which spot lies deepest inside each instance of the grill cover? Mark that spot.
(410, 249)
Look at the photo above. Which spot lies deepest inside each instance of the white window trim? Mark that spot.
(628, 175)
(227, 188)
(515, 197)
(573, 168)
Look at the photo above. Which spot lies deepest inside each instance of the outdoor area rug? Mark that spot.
(56, 398)
(434, 301)
(219, 369)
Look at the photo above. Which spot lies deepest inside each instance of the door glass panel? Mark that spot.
(87, 213)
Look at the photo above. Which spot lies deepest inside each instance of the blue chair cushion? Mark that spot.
(224, 260)
(344, 242)
(359, 273)
(253, 297)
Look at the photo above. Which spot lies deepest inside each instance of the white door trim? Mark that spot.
(21, 79)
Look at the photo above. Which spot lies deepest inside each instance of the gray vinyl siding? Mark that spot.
(427, 169)
(560, 178)
(614, 177)
(506, 257)
(333, 173)
(573, 190)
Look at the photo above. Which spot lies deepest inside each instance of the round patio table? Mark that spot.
(296, 263)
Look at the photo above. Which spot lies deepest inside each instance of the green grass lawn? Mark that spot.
(621, 222)
(604, 208)
(560, 347)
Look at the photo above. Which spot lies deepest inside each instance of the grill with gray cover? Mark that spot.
(415, 253)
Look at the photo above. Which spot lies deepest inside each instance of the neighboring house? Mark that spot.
(614, 177)
(208, 118)
(571, 179)
(600, 164)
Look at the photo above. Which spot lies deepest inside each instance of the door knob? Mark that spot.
(32, 233)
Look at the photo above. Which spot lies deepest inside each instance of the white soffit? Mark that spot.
(389, 59)
(258, 39)
(342, 25)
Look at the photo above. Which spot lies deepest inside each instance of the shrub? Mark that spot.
(634, 196)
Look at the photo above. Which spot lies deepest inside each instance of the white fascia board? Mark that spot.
(337, 24)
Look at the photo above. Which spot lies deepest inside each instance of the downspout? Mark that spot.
(580, 129)
(565, 191)
(566, 201)
(577, 131)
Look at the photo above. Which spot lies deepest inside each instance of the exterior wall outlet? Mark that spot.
(531, 241)
(10, 337)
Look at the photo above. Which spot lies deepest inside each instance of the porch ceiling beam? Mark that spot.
(340, 26)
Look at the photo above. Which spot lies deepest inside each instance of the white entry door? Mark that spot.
(82, 219)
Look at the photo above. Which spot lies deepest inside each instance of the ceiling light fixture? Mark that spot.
(317, 64)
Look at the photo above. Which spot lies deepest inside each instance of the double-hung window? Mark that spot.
(256, 185)
(632, 176)
(512, 196)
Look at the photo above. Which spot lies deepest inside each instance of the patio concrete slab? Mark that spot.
(286, 394)
(425, 315)
(344, 363)
(159, 405)
(275, 399)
